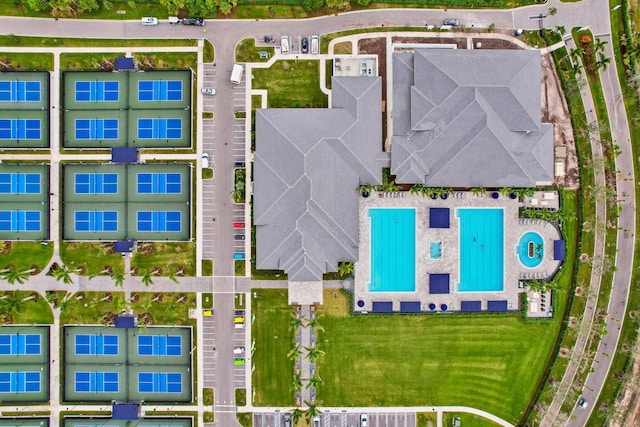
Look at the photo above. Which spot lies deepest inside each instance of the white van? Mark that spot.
(314, 45)
(236, 74)
(284, 45)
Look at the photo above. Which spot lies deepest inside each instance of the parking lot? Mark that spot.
(239, 341)
(342, 419)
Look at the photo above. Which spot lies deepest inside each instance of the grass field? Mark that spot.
(90, 307)
(488, 362)
(291, 84)
(169, 257)
(26, 255)
(27, 61)
(247, 51)
(273, 375)
(466, 420)
(32, 311)
(12, 40)
(157, 61)
(167, 308)
(91, 257)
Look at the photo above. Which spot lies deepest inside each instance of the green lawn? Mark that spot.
(12, 40)
(32, 311)
(465, 360)
(91, 257)
(166, 308)
(169, 257)
(291, 84)
(273, 374)
(97, 61)
(27, 255)
(466, 420)
(27, 61)
(247, 51)
(90, 307)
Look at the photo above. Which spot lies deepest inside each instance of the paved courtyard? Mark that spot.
(449, 260)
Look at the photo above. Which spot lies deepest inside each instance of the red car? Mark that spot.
(238, 225)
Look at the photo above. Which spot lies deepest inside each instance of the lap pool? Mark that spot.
(393, 250)
(481, 250)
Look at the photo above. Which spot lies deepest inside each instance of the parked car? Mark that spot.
(238, 237)
(194, 21)
(238, 350)
(284, 45)
(238, 255)
(269, 39)
(149, 20)
(208, 91)
(238, 164)
(363, 420)
(238, 225)
(287, 420)
(314, 45)
(316, 421)
(304, 45)
(205, 160)
(582, 403)
(451, 21)
(174, 20)
(238, 362)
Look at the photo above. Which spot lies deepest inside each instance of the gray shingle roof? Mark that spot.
(469, 118)
(308, 165)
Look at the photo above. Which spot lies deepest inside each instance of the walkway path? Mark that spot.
(577, 354)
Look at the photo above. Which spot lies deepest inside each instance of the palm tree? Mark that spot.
(295, 353)
(478, 191)
(312, 410)
(296, 415)
(598, 45)
(313, 323)
(146, 278)
(416, 189)
(173, 307)
(296, 322)
(172, 277)
(13, 275)
(118, 279)
(602, 62)
(63, 273)
(345, 269)
(313, 354)
(13, 304)
(297, 383)
(64, 303)
(315, 381)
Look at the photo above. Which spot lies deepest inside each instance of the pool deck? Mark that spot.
(514, 271)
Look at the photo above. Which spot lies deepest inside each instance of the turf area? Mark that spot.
(92, 257)
(273, 375)
(488, 362)
(291, 84)
(165, 258)
(26, 255)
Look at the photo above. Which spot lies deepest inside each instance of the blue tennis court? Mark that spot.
(94, 129)
(159, 183)
(20, 183)
(103, 91)
(13, 129)
(96, 382)
(94, 344)
(19, 91)
(20, 382)
(160, 90)
(159, 221)
(159, 345)
(19, 344)
(96, 183)
(96, 220)
(159, 128)
(159, 382)
(19, 220)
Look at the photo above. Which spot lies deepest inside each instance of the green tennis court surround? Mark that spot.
(24, 364)
(105, 110)
(24, 202)
(125, 202)
(103, 364)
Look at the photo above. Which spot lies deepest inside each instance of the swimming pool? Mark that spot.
(481, 250)
(435, 250)
(531, 249)
(393, 250)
